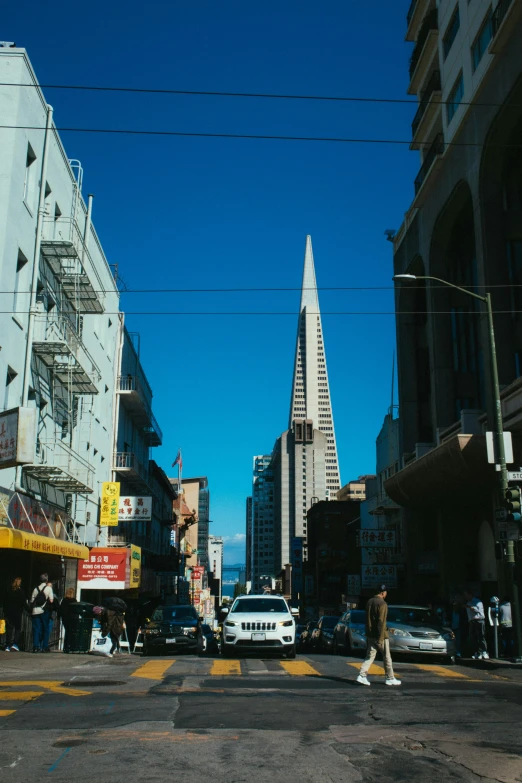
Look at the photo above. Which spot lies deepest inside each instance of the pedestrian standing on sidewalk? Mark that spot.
(64, 611)
(41, 597)
(477, 625)
(14, 603)
(505, 619)
(377, 638)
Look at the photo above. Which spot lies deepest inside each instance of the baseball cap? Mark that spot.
(383, 589)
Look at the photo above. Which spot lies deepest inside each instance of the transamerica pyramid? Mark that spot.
(311, 389)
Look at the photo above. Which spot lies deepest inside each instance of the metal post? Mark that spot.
(510, 546)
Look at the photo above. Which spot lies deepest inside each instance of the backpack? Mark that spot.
(39, 601)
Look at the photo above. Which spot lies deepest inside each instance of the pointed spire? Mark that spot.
(309, 298)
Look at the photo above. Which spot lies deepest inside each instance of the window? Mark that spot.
(30, 178)
(455, 98)
(451, 32)
(20, 263)
(8, 397)
(482, 40)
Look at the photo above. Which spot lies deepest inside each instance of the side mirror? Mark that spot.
(224, 611)
(295, 612)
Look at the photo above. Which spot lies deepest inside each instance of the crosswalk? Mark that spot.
(12, 692)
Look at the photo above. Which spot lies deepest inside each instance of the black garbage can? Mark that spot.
(78, 628)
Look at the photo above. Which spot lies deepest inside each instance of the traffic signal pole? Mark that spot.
(501, 456)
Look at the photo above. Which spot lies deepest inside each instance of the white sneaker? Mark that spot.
(476, 656)
(485, 656)
(362, 680)
(395, 681)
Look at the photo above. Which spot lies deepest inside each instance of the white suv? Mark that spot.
(259, 623)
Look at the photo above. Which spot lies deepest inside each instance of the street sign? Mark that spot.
(508, 448)
(514, 475)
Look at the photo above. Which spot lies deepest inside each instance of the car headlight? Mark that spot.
(230, 624)
(286, 623)
(398, 632)
(152, 631)
(328, 634)
(449, 636)
(190, 629)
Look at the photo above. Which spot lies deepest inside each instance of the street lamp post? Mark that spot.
(498, 433)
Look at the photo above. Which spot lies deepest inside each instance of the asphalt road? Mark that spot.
(84, 718)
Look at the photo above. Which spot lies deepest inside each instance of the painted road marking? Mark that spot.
(299, 668)
(5, 713)
(378, 670)
(441, 671)
(53, 766)
(222, 667)
(19, 695)
(51, 685)
(153, 670)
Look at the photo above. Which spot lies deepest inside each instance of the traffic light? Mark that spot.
(513, 500)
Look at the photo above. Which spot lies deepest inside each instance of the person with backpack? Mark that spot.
(41, 598)
(14, 605)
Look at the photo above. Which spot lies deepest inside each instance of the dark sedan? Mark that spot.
(305, 639)
(349, 633)
(172, 628)
(322, 637)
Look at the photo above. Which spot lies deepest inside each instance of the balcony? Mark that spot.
(57, 343)
(424, 50)
(137, 399)
(436, 149)
(414, 17)
(59, 466)
(503, 19)
(429, 107)
(64, 250)
(131, 470)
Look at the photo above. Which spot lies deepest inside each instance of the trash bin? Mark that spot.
(79, 628)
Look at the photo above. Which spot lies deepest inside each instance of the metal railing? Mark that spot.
(430, 22)
(55, 453)
(499, 14)
(55, 328)
(127, 460)
(132, 383)
(436, 149)
(66, 229)
(432, 86)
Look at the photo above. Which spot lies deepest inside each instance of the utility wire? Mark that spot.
(276, 312)
(227, 94)
(259, 136)
(409, 287)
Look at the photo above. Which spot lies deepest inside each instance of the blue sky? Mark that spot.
(217, 213)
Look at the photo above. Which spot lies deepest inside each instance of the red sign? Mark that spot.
(109, 564)
(196, 599)
(197, 572)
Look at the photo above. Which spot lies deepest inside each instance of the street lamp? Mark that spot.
(498, 433)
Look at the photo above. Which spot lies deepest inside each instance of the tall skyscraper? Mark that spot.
(310, 390)
(262, 510)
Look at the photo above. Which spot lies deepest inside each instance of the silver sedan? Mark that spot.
(416, 630)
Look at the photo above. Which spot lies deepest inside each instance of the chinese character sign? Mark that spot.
(132, 509)
(381, 538)
(110, 499)
(374, 575)
(105, 568)
(17, 437)
(353, 584)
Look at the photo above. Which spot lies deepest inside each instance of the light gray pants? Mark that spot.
(373, 646)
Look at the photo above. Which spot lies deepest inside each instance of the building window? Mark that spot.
(8, 396)
(20, 263)
(455, 98)
(482, 40)
(30, 178)
(451, 32)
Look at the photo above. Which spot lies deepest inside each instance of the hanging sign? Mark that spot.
(110, 498)
(17, 437)
(135, 509)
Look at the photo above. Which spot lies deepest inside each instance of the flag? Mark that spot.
(178, 461)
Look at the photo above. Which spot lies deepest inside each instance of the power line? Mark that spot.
(229, 94)
(257, 136)
(278, 312)
(409, 287)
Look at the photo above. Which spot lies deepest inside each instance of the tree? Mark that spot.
(239, 589)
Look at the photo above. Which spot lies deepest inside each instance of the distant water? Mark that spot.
(227, 590)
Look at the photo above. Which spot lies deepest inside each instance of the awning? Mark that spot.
(456, 465)
(29, 542)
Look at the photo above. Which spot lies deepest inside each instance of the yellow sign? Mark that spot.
(29, 542)
(110, 501)
(135, 566)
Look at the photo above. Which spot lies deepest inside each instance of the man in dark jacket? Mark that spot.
(377, 638)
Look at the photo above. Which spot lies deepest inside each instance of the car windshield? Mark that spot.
(260, 605)
(165, 614)
(409, 614)
(357, 617)
(329, 622)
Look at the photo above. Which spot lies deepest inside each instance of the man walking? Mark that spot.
(377, 639)
(477, 625)
(41, 598)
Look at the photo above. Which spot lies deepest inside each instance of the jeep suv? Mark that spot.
(259, 623)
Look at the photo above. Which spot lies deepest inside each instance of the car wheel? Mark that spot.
(148, 651)
(226, 652)
(450, 660)
(335, 647)
(291, 653)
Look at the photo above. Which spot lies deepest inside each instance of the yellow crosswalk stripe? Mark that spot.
(378, 670)
(52, 685)
(19, 695)
(153, 670)
(221, 667)
(5, 713)
(299, 668)
(442, 671)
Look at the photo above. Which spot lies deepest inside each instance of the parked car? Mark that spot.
(299, 628)
(209, 642)
(349, 633)
(322, 637)
(172, 628)
(305, 639)
(417, 630)
(259, 623)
